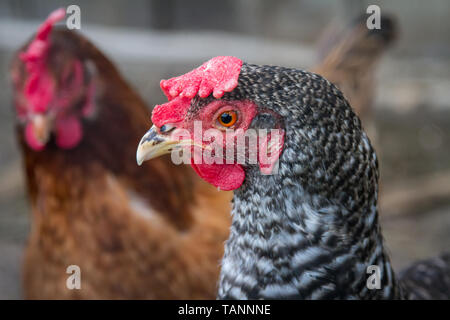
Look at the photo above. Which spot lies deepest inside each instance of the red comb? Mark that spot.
(39, 87)
(171, 112)
(39, 46)
(216, 76)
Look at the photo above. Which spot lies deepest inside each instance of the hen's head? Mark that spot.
(299, 118)
(202, 117)
(53, 87)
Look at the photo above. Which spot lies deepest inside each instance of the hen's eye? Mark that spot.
(227, 118)
(166, 128)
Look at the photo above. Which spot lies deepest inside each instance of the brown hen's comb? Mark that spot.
(39, 87)
(39, 46)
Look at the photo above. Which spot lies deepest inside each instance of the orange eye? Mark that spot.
(227, 118)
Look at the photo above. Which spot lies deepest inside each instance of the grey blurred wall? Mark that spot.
(425, 23)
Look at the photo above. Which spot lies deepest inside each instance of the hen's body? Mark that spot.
(150, 232)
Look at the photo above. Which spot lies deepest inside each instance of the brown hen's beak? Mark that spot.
(42, 128)
(153, 145)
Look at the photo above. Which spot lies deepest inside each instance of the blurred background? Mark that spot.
(151, 40)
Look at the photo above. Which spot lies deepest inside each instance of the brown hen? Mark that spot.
(147, 233)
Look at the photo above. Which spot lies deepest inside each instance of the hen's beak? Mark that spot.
(153, 145)
(42, 128)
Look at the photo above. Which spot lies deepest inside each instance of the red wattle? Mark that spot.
(68, 132)
(224, 176)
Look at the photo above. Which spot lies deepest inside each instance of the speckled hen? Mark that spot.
(310, 229)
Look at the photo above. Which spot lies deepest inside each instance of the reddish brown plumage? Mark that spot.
(89, 206)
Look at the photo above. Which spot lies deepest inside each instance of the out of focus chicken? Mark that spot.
(152, 232)
(349, 58)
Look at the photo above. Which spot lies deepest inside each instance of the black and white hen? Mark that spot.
(309, 229)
